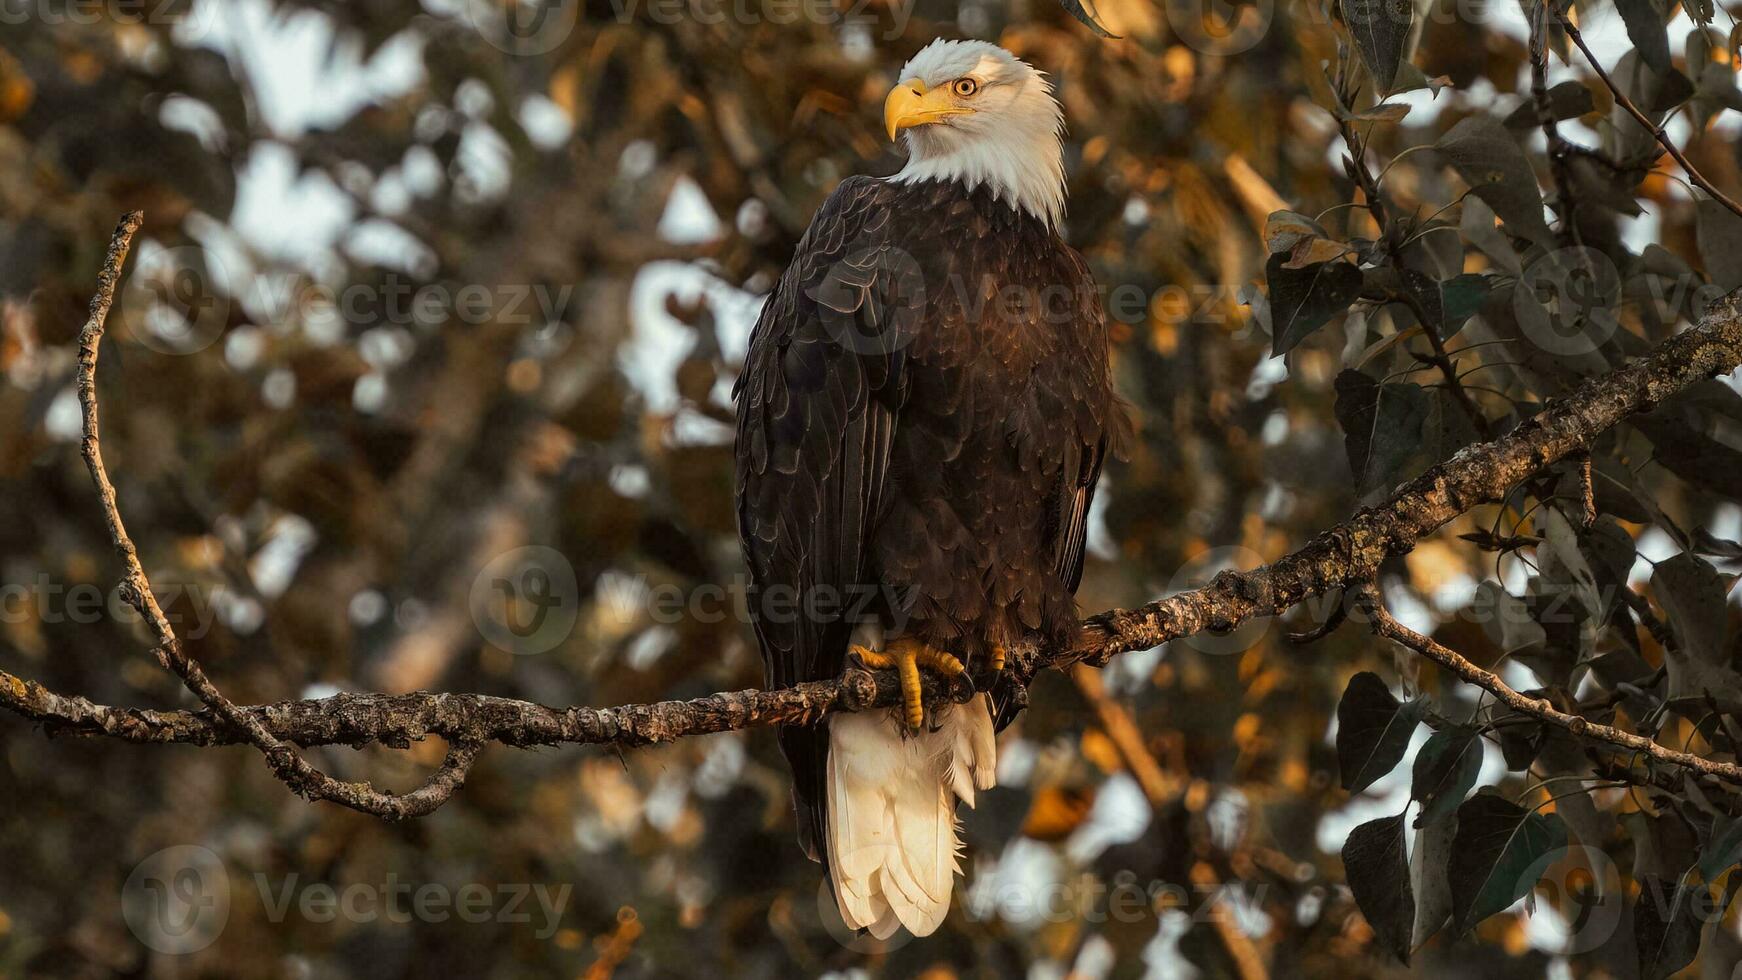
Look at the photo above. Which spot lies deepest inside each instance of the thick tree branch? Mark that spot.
(1385, 625)
(399, 719)
(1350, 553)
(1345, 557)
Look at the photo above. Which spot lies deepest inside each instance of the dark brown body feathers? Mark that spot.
(922, 420)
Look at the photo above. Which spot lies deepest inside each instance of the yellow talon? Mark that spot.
(907, 657)
(874, 659)
(999, 653)
(912, 699)
(939, 661)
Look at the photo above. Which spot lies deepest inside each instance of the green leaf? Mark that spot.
(1645, 25)
(1448, 304)
(1075, 9)
(1723, 851)
(1696, 434)
(1382, 427)
(1445, 769)
(1611, 553)
(1500, 848)
(1691, 592)
(1448, 428)
(1716, 85)
(1389, 112)
(1303, 300)
(1428, 862)
(1373, 730)
(1309, 252)
(1718, 233)
(1381, 29)
(1566, 100)
(1708, 543)
(1613, 484)
(1410, 78)
(1666, 930)
(1654, 92)
(1605, 185)
(1378, 874)
(1665, 844)
(1283, 230)
(1463, 297)
(1571, 601)
(1520, 742)
(1495, 167)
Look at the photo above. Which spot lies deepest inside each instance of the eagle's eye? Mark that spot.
(965, 87)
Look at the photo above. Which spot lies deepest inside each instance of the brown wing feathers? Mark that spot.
(903, 426)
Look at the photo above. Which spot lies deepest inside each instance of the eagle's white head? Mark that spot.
(973, 113)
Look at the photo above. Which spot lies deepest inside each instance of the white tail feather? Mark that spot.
(892, 812)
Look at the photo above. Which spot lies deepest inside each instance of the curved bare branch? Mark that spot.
(1346, 557)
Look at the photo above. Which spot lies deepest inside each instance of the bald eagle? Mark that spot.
(922, 419)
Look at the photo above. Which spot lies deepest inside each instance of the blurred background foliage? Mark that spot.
(318, 469)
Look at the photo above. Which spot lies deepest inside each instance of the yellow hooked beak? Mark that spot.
(911, 104)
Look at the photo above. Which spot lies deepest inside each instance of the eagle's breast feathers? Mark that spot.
(922, 420)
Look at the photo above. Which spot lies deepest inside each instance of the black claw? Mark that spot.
(962, 688)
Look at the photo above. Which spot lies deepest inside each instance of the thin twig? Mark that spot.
(1653, 624)
(1346, 556)
(1587, 490)
(1371, 190)
(1334, 619)
(1633, 110)
(1559, 149)
(136, 589)
(1385, 625)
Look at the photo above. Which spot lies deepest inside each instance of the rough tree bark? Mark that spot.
(1346, 557)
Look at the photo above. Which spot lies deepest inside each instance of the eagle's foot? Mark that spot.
(1000, 653)
(907, 657)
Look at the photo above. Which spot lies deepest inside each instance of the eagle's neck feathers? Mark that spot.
(1031, 178)
(1014, 146)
